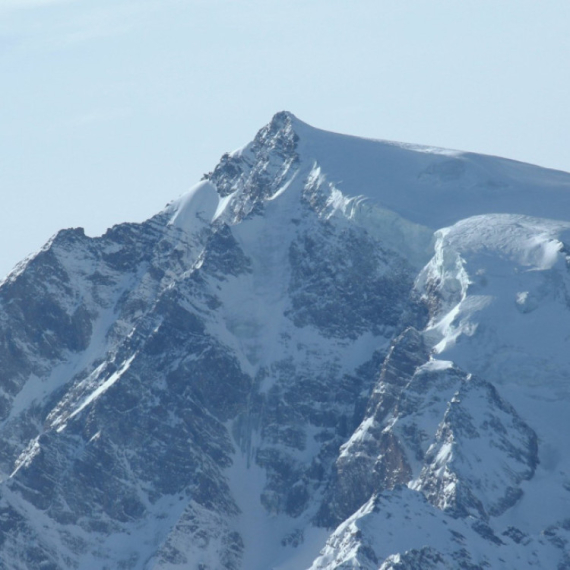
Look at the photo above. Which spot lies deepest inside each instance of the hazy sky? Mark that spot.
(111, 108)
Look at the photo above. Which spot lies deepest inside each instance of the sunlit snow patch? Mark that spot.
(197, 208)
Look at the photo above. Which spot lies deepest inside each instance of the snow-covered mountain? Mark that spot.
(330, 353)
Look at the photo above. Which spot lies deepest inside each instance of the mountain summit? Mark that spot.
(330, 353)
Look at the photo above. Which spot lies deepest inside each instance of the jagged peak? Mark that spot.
(281, 133)
(269, 155)
(283, 118)
(286, 119)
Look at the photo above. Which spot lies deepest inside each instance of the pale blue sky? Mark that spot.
(111, 108)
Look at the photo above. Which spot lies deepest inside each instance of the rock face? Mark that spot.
(331, 353)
